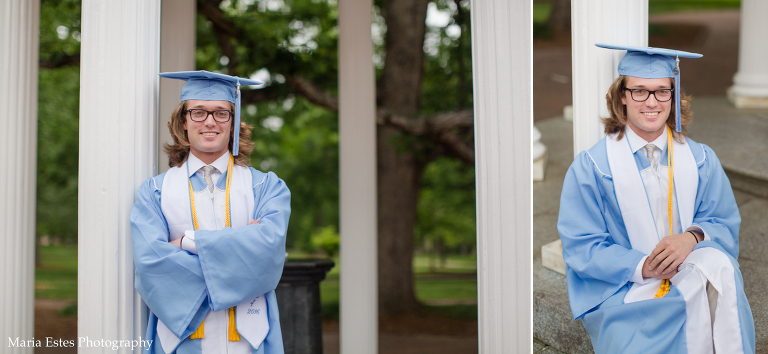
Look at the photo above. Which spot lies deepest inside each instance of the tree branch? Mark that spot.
(58, 61)
(444, 129)
(258, 96)
(313, 93)
(223, 29)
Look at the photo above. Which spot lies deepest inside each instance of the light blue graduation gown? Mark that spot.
(600, 260)
(232, 265)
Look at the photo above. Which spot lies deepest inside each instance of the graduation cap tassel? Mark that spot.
(236, 139)
(678, 110)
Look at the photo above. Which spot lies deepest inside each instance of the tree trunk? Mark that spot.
(399, 169)
(560, 16)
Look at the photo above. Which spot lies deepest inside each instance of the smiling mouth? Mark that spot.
(209, 134)
(651, 114)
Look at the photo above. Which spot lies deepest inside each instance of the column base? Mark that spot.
(741, 101)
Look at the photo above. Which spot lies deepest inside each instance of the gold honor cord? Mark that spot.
(200, 332)
(664, 288)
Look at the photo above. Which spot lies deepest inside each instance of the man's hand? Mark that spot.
(177, 242)
(669, 253)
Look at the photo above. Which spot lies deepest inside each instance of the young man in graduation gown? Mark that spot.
(649, 225)
(209, 234)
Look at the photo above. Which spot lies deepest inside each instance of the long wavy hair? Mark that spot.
(179, 150)
(618, 111)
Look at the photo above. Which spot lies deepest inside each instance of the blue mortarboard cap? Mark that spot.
(207, 86)
(653, 63)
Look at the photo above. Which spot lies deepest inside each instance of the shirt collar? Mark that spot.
(195, 163)
(637, 143)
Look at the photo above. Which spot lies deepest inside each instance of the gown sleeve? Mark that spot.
(598, 263)
(169, 280)
(240, 264)
(716, 210)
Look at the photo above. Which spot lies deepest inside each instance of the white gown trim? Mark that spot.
(637, 216)
(252, 325)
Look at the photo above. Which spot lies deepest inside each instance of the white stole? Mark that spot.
(633, 201)
(251, 316)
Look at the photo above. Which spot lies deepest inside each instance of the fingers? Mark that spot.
(668, 261)
(657, 255)
(254, 221)
(671, 274)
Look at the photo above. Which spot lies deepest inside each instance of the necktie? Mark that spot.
(649, 154)
(207, 172)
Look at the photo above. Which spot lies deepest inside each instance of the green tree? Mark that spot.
(424, 98)
(58, 109)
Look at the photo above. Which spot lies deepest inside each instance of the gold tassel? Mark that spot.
(663, 289)
(199, 333)
(233, 335)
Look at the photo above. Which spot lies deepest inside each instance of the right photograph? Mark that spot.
(650, 180)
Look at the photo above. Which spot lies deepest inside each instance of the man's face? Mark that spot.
(647, 118)
(208, 139)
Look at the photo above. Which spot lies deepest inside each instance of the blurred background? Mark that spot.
(291, 45)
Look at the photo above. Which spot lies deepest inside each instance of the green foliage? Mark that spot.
(294, 138)
(57, 153)
(58, 112)
(300, 143)
(327, 240)
(661, 6)
(446, 205)
(447, 84)
(447, 208)
(68, 311)
(59, 29)
(297, 140)
(298, 38)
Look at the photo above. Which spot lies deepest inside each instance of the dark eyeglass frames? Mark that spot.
(200, 115)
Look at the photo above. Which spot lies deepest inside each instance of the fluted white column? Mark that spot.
(177, 53)
(750, 84)
(19, 38)
(594, 69)
(118, 151)
(357, 181)
(501, 65)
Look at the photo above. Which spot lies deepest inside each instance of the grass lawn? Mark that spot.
(56, 273)
(454, 281)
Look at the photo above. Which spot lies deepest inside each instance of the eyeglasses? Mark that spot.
(200, 115)
(641, 95)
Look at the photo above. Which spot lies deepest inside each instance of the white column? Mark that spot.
(357, 160)
(19, 38)
(118, 151)
(750, 84)
(177, 53)
(501, 65)
(594, 69)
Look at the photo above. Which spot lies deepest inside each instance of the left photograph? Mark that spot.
(266, 176)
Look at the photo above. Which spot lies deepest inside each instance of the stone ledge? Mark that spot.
(553, 323)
